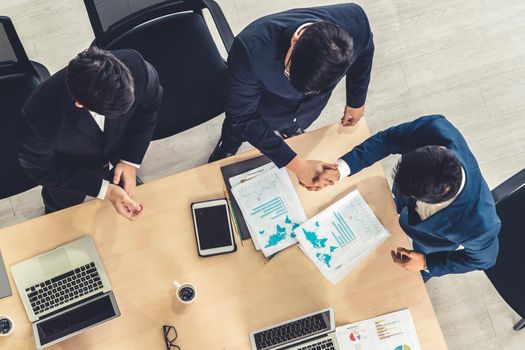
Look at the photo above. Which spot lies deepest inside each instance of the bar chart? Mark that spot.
(343, 233)
(274, 208)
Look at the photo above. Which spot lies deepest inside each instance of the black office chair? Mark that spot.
(18, 79)
(173, 36)
(507, 274)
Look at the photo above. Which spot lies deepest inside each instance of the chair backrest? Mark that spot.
(110, 19)
(13, 58)
(174, 37)
(507, 274)
(18, 80)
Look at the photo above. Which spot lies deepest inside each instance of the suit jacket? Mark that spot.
(59, 143)
(261, 99)
(470, 220)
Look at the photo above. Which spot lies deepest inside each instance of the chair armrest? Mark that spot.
(509, 186)
(41, 71)
(220, 21)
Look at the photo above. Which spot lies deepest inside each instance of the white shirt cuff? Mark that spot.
(103, 189)
(129, 163)
(344, 169)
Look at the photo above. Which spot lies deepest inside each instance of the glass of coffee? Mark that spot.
(186, 292)
(6, 326)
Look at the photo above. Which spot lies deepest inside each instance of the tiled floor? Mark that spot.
(463, 59)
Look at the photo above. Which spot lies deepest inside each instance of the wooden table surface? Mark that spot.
(237, 293)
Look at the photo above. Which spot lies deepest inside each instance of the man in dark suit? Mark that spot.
(86, 129)
(441, 197)
(282, 70)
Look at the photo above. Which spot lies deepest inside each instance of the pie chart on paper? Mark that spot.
(403, 347)
(354, 336)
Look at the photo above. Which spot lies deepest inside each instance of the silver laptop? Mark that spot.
(65, 291)
(309, 332)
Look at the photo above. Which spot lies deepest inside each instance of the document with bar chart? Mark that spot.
(271, 209)
(339, 237)
(393, 331)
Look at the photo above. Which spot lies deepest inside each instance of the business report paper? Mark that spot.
(271, 209)
(340, 236)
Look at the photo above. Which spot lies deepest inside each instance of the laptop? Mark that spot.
(65, 291)
(309, 332)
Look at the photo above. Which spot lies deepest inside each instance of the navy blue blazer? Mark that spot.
(261, 100)
(470, 220)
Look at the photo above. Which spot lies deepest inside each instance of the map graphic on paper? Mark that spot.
(271, 209)
(393, 331)
(341, 235)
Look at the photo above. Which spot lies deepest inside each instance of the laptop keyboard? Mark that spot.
(64, 288)
(291, 331)
(321, 345)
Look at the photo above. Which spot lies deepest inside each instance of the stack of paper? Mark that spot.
(393, 331)
(270, 207)
(341, 236)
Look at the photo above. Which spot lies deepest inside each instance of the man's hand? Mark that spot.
(330, 175)
(410, 260)
(352, 115)
(128, 175)
(308, 172)
(123, 204)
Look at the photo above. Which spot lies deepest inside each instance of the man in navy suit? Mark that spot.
(282, 70)
(441, 197)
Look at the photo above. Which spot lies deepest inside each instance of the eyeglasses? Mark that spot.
(170, 335)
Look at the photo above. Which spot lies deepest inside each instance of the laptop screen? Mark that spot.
(77, 319)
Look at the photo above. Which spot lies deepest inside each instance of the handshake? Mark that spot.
(314, 174)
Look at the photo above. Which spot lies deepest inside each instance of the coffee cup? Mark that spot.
(6, 326)
(186, 292)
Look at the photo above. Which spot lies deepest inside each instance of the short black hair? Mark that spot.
(322, 55)
(431, 174)
(100, 82)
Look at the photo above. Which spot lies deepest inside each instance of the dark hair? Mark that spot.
(321, 56)
(100, 82)
(431, 174)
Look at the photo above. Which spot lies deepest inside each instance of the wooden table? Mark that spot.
(237, 293)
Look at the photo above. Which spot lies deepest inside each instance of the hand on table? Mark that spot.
(128, 175)
(410, 260)
(123, 204)
(352, 115)
(308, 172)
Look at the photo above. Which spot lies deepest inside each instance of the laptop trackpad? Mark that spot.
(54, 263)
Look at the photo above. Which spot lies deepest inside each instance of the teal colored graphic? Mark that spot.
(274, 239)
(281, 232)
(344, 233)
(326, 258)
(314, 240)
(274, 208)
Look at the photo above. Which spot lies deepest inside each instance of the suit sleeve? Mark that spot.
(479, 253)
(36, 154)
(243, 97)
(358, 77)
(399, 139)
(139, 131)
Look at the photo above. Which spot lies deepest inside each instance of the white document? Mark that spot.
(271, 209)
(339, 237)
(393, 331)
(249, 175)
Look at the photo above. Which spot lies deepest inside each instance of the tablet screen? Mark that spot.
(213, 227)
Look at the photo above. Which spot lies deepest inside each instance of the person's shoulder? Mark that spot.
(43, 109)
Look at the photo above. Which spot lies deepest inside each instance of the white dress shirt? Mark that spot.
(101, 121)
(424, 210)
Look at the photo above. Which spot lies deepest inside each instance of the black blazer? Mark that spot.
(59, 143)
(261, 99)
